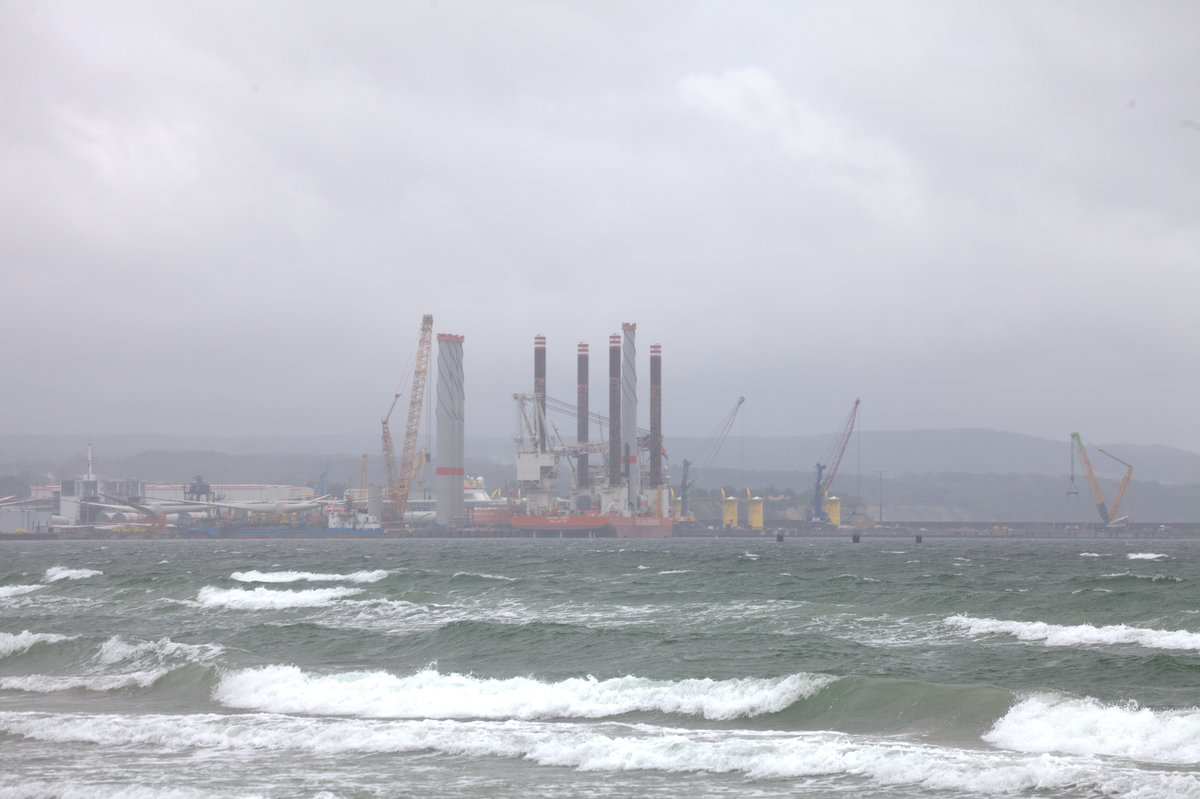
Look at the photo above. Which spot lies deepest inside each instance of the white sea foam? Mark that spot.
(487, 576)
(63, 573)
(310, 577)
(51, 683)
(429, 694)
(821, 759)
(1053, 723)
(1154, 578)
(1093, 555)
(117, 650)
(11, 644)
(269, 599)
(18, 590)
(117, 664)
(62, 789)
(1146, 556)
(1079, 634)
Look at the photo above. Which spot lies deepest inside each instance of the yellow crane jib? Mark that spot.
(413, 427)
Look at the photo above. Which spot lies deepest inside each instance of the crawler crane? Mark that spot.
(1108, 516)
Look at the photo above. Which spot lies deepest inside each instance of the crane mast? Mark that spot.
(821, 487)
(412, 428)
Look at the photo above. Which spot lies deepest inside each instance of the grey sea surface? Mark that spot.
(599, 668)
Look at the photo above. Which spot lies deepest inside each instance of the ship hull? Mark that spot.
(594, 525)
(267, 531)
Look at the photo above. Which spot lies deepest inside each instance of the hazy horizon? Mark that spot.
(228, 220)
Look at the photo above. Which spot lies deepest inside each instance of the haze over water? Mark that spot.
(599, 668)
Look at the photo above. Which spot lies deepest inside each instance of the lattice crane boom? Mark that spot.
(412, 429)
(1086, 463)
(821, 488)
(389, 454)
(831, 472)
(1116, 505)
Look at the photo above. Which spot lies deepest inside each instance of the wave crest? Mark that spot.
(270, 599)
(55, 573)
(429, 694)
(15, 644)
(1079, 634)
(373, 576)
(1049, 723)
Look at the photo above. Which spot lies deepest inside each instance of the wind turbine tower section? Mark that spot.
(451, 431)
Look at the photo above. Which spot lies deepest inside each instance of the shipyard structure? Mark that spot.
(613, 485)
(610, 481)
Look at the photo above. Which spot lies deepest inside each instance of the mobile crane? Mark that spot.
(1108, 516)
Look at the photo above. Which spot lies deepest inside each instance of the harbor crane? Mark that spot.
(399, 477)
(412, 428)
(720, 433)
(1107, 515)
(834, 455)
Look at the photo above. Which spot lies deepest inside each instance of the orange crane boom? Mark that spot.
(1116, 506)
(1077, 441)
(1109, 516)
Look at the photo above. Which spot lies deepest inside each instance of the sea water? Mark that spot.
(599, 668)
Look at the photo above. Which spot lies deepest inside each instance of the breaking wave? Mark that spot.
(1079, 634)
(18, 590)
(116, 663)
(310, 577)
(1058, 724)
(21, 642)
(429, 694)
(820, 758)
(55, 573)
(269, 599)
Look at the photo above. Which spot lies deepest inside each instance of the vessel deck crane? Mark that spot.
(834, 455)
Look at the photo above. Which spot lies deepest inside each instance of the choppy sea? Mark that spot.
(602, 668)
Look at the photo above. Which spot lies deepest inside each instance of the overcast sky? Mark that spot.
(228, 218)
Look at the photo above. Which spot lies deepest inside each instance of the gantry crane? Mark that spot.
(834, 454)
(412, 429)
(715, 441)
(1106, 515)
